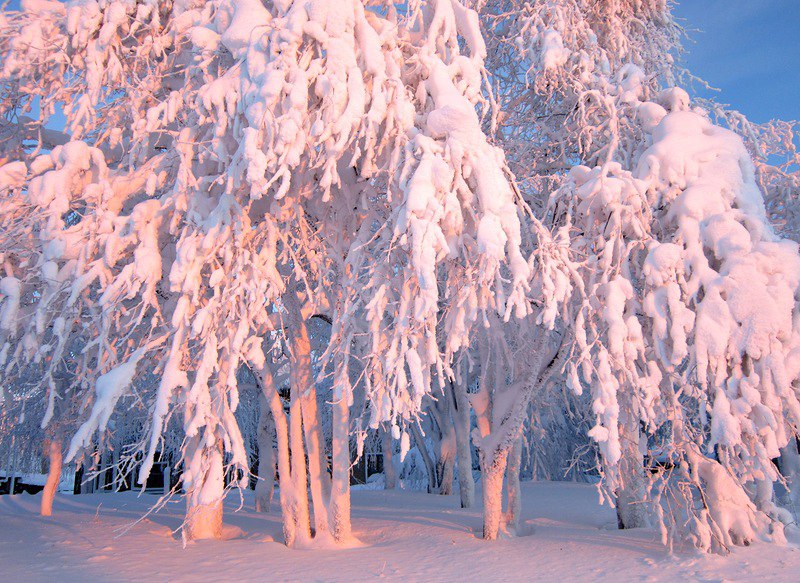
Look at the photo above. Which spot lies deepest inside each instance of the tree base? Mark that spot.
(204, 522)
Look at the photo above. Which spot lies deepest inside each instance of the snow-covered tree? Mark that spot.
(223, 166)
(588, 84)
(690, 321)
(479, 218)
(558, 67)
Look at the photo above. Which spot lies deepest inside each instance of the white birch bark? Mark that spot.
(293, 496)
(461, 425)
(790, 468)
(426, 458)
(387, 448)
(303, 385)
(339, 510)
(632, 489)
(492, 469)
(265, 487)
(513, 493)
(204, 482)
(53, 447)
(300, 511)
(167, 473)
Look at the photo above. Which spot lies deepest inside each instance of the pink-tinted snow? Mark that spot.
(406, 536)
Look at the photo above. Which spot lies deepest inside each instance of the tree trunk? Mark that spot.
(445, 465)
(265, 487)
(631, 492)
(764, 495)
(13, 468)
(115, 470)
(433, 486)
(461, 425)
(492, 471)
(53, 447)
(790, 468)
(301, 511)
(108, 472)
(97, 484)
(514, 496)
(204, 483)
(293, 496)
(303, 383)
(87, 485)
(339, 512)
(167, 474)
(387, 448)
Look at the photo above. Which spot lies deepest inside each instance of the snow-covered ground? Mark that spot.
(407, 536)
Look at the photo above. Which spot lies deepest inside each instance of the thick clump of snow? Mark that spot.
(9, 292)
(109, 387)
(721, 280)
(406, 536)
(690, 326)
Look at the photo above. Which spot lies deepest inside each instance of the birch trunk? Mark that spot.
(339, 512)
(115, 473)
(631, 492)
(461, 426)
(53, 476)
(204, 484)
(293, 500)
(303, 383)
(104, 482)
(87, 485)
(301, 512)
(790, 468)
(765, 495)
(492, 471)
(293, 526)
(426, 458)
(513, 494)
(445, 465)
(387, 448)
(265, 487)
(167, 474)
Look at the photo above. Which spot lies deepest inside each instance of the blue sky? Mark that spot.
(750, 50)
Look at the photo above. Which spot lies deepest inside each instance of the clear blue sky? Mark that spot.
(750, 50)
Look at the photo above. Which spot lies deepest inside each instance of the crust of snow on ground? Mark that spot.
(407, 536)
